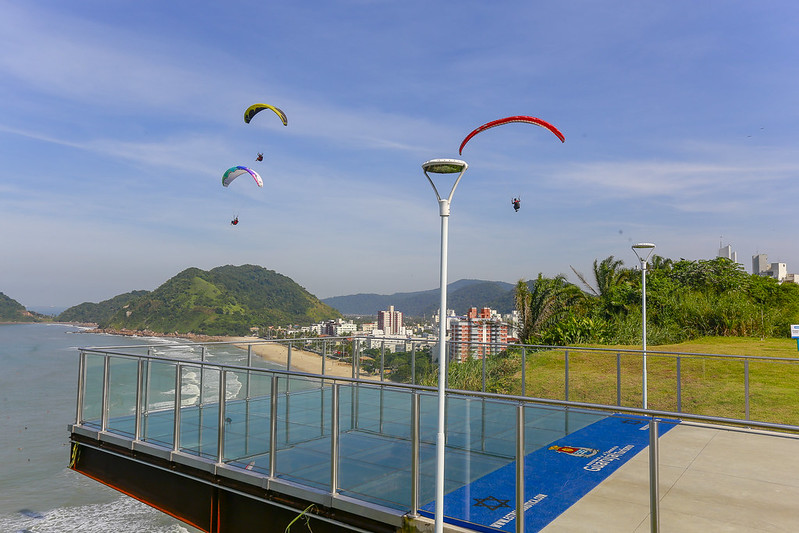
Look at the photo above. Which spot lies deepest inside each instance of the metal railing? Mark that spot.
(171, 402)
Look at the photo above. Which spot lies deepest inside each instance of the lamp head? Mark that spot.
(444, 166)
(643, 248)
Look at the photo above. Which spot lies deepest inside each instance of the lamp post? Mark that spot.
(442, 166)
(640, 249)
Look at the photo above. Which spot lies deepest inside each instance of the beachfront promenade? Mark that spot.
(359, 454)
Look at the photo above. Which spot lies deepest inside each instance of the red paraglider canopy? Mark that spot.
(508, 120)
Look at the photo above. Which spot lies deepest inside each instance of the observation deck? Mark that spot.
(226, 444)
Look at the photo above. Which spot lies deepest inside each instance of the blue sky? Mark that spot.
(118, 118)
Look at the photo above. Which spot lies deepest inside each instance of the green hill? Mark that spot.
(13, 311)
(227, 300)
(99, 312)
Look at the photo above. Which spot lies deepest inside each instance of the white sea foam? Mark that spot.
(116, 516)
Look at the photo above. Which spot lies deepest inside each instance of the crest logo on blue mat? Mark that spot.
(575, 451)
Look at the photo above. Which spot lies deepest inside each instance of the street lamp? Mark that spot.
(442, 166)
(640, 249)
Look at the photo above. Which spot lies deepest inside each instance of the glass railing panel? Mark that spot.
(303, 432)
(592, 377)
(93, 390)
(713, 386)
(544, 425)
(159, 402)
(481, 438)
(208, 415)
(375, 450)
(247, 435)
(122, 382)
(772, 391)
(545, 373)
(383, 411)
(191, 412)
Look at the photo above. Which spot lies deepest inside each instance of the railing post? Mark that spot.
(524, 368)
(352, 352)
(146, 401)
(654, 478)
(566, 370)
(334, 433)
(415, 425)
(288, 359)
(382, 358)
(413, 363)
(618, 379)
(746, 387)
(483, 386)
(202, 375)
(679, 385)
(176, 419)
(81, 387)
(106, 392)
(324, 356)
(220, 447)
(138, 413)
(249, 373)
(273, 427)
(520, 468)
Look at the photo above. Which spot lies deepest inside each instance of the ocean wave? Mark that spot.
(121, 515)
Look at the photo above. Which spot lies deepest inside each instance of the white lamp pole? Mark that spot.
(442, 166)
(640, 249)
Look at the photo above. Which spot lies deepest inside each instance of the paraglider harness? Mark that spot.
(517, 203)
(235, 221)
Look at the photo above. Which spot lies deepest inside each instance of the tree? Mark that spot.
(546, 303)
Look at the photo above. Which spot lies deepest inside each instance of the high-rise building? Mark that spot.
(726, 251)
(390, 321)
(759, 263)
(479, 334)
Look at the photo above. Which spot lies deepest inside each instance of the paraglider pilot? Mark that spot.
(235, 220)
(260, 156)
(516, 204)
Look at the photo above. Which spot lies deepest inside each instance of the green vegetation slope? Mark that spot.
(99, 312)
(13, 311)
(227, 300)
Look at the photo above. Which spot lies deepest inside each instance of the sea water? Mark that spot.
(38, 389)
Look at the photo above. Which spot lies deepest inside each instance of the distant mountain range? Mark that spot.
(461, 295)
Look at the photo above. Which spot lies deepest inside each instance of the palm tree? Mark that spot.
(608, 274)
(661, 263)
(544, 304)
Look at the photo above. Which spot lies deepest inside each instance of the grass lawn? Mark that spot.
(713, 386)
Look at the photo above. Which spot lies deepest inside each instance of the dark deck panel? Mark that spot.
(206, 501)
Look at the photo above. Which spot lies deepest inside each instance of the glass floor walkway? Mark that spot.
(374, 446)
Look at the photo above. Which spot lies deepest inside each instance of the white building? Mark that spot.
(726, 251)
(761, 267)
(392, 343)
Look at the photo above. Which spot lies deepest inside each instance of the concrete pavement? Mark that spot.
(711, 480)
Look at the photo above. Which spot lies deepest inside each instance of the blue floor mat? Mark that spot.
(555, 477)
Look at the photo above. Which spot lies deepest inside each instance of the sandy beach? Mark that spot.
(301, 360)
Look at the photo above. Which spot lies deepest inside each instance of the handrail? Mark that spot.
(224, 367)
